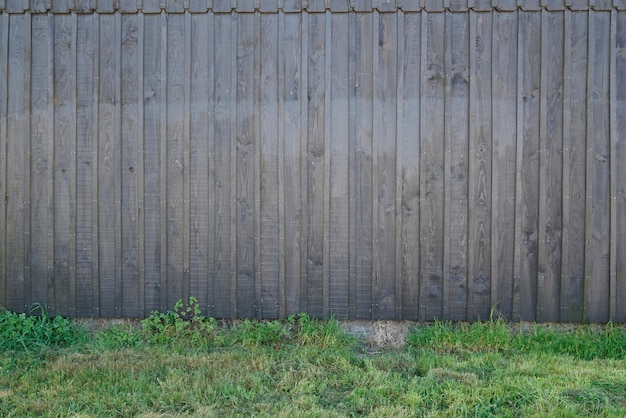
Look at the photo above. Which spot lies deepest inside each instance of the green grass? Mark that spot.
(180, 363)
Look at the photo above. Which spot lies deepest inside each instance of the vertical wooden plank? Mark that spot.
(384, 149)
(108, 165)
(363, 170)
(221, 179)
(232, 216)
(4, 93)
(131, 148)
(304, 158)
(17, 173)
(176, 73)
(210, 138)
(432, 165)
(527, 167)
(86, 164)
(456, 166)
(399, 277)
(64, 163)
(282, 285)
(618, 154)
(153, 101)
(597, 274)
(352, 180)
(479, 218)
(315, 162)
(613, 296)
(409, 166)
(186, 152)
(199, 205)
(550, 171)
(42, 142)
(504, 108)
(328, 65)
(163, 164)
(294, 165)
(247, 44)
(339, 205)
(269, 155)
(574, 153)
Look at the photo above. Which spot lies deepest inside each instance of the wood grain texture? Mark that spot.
(384, 150)
(132, 146)
(598, 218)
(87, 65)
(270, 184)
(41, 150)
(153, 101)
(456, 174)
(248, 301)
(294, 163)
(199, 164)
(363, 167)
(108, 166)
(574, 155)
(618, 154)
(504, 108)
(405, 163)
(551, 167)
(17, 175)
(527, 167)
(432, 165)
(339, 205)
(409, 166)
(315, 162)
(480, 163)
(65, 163)
(222, 179)
(4, 94)
(176, 73)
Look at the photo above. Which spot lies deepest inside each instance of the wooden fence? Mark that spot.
(364, 159)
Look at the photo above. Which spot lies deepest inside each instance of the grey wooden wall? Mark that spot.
(363, 159)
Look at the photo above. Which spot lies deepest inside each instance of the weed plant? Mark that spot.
(34, 332)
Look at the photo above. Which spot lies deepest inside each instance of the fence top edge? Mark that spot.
(351, 6)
